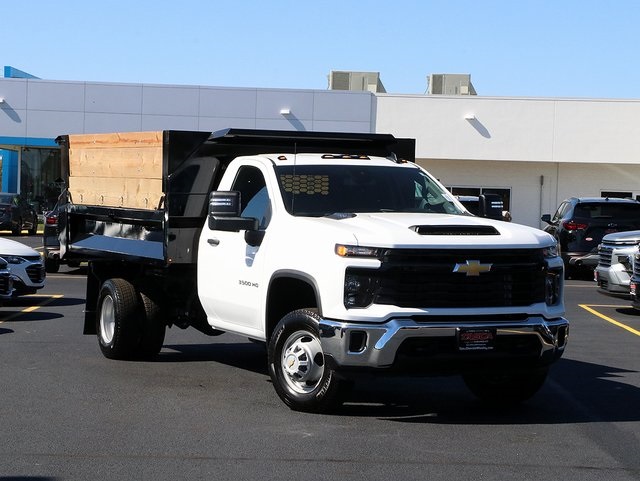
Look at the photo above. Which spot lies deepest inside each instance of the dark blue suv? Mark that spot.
(580, 223)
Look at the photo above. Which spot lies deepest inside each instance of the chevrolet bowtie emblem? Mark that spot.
(472, 268)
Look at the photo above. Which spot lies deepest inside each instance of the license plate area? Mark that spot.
(472, 339)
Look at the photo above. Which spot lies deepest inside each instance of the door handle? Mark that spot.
(213, 242)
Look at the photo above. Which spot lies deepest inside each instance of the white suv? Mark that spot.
(615, 263)
(25, 265)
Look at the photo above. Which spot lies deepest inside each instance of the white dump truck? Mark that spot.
(335, 250)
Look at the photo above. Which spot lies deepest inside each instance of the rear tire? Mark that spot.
(153, 330)
(51, 265)
(16, 229)
(33, 230)
(506, 387)
(297, 368)
(118, 319)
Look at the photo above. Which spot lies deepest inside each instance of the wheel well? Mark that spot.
(287, 294)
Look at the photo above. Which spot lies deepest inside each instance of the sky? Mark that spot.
(512, 48)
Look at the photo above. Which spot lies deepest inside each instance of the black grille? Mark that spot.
(36, 273)
(426, 278)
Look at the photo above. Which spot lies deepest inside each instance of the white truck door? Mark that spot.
(229, 269)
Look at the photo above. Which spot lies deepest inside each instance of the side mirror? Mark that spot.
(491, 206)
(546, 218)
(224, 213)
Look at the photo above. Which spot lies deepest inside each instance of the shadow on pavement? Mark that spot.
(575, 392)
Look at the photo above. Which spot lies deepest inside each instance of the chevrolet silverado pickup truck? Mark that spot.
(616, 256)
(335, 250)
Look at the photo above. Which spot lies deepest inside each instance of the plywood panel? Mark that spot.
(109, 192)
(139, 162)
(116, 169)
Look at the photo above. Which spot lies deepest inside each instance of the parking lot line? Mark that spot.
(588, 307)
(49, 298)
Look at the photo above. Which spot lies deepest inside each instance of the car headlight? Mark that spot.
(551, 251)
(14, 259)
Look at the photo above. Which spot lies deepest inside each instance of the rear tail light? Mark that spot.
(573, 225)
(51, 219)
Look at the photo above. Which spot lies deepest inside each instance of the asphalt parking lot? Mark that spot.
(205, 409)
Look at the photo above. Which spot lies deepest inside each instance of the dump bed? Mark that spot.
(143, 196)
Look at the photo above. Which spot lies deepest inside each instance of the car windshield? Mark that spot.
(319, 190)
(6, 198)
(607, 211)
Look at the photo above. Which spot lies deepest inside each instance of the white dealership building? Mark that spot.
(533, 151)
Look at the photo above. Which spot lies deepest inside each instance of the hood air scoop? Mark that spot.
(454, 230)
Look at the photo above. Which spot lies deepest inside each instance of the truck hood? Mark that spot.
(625, 237)
(394, 229)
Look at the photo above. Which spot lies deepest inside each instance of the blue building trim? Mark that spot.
(11, 72)
(28, 141)
(9, 181)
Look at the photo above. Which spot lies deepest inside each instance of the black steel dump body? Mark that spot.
(165, 231)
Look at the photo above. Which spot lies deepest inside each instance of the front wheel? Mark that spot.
(506, 387)
(297, 365)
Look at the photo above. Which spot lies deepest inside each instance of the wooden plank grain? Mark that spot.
(116, 169)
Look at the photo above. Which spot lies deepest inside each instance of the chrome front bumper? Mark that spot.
(371, 345)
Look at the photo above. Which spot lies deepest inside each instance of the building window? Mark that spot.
(39, 177)
(616, 194)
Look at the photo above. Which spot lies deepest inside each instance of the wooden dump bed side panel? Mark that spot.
(116, 169)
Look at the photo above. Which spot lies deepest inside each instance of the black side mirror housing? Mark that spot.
(491, 206)
(224, 213)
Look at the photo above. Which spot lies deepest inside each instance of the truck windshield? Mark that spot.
(320, 190)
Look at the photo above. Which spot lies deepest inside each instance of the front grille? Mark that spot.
(605, 253)
(426, 278)
(36, 273)
(636, 266)
(5, 284)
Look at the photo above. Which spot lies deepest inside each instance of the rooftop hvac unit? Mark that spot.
(450, 84)
(356, 81)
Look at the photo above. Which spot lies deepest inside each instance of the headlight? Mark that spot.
(552, 288)
(359, 290)
(551, 251)
(357, 251)
(14, 259)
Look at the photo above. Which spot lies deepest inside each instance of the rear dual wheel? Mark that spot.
(127, 322)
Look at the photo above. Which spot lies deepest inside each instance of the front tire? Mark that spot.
(118, 319)
(297, 366)
(506, 387)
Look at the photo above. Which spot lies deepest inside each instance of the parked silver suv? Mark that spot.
(615, 265)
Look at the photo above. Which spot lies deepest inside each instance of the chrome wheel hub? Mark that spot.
(107, 320)
(302, 362)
